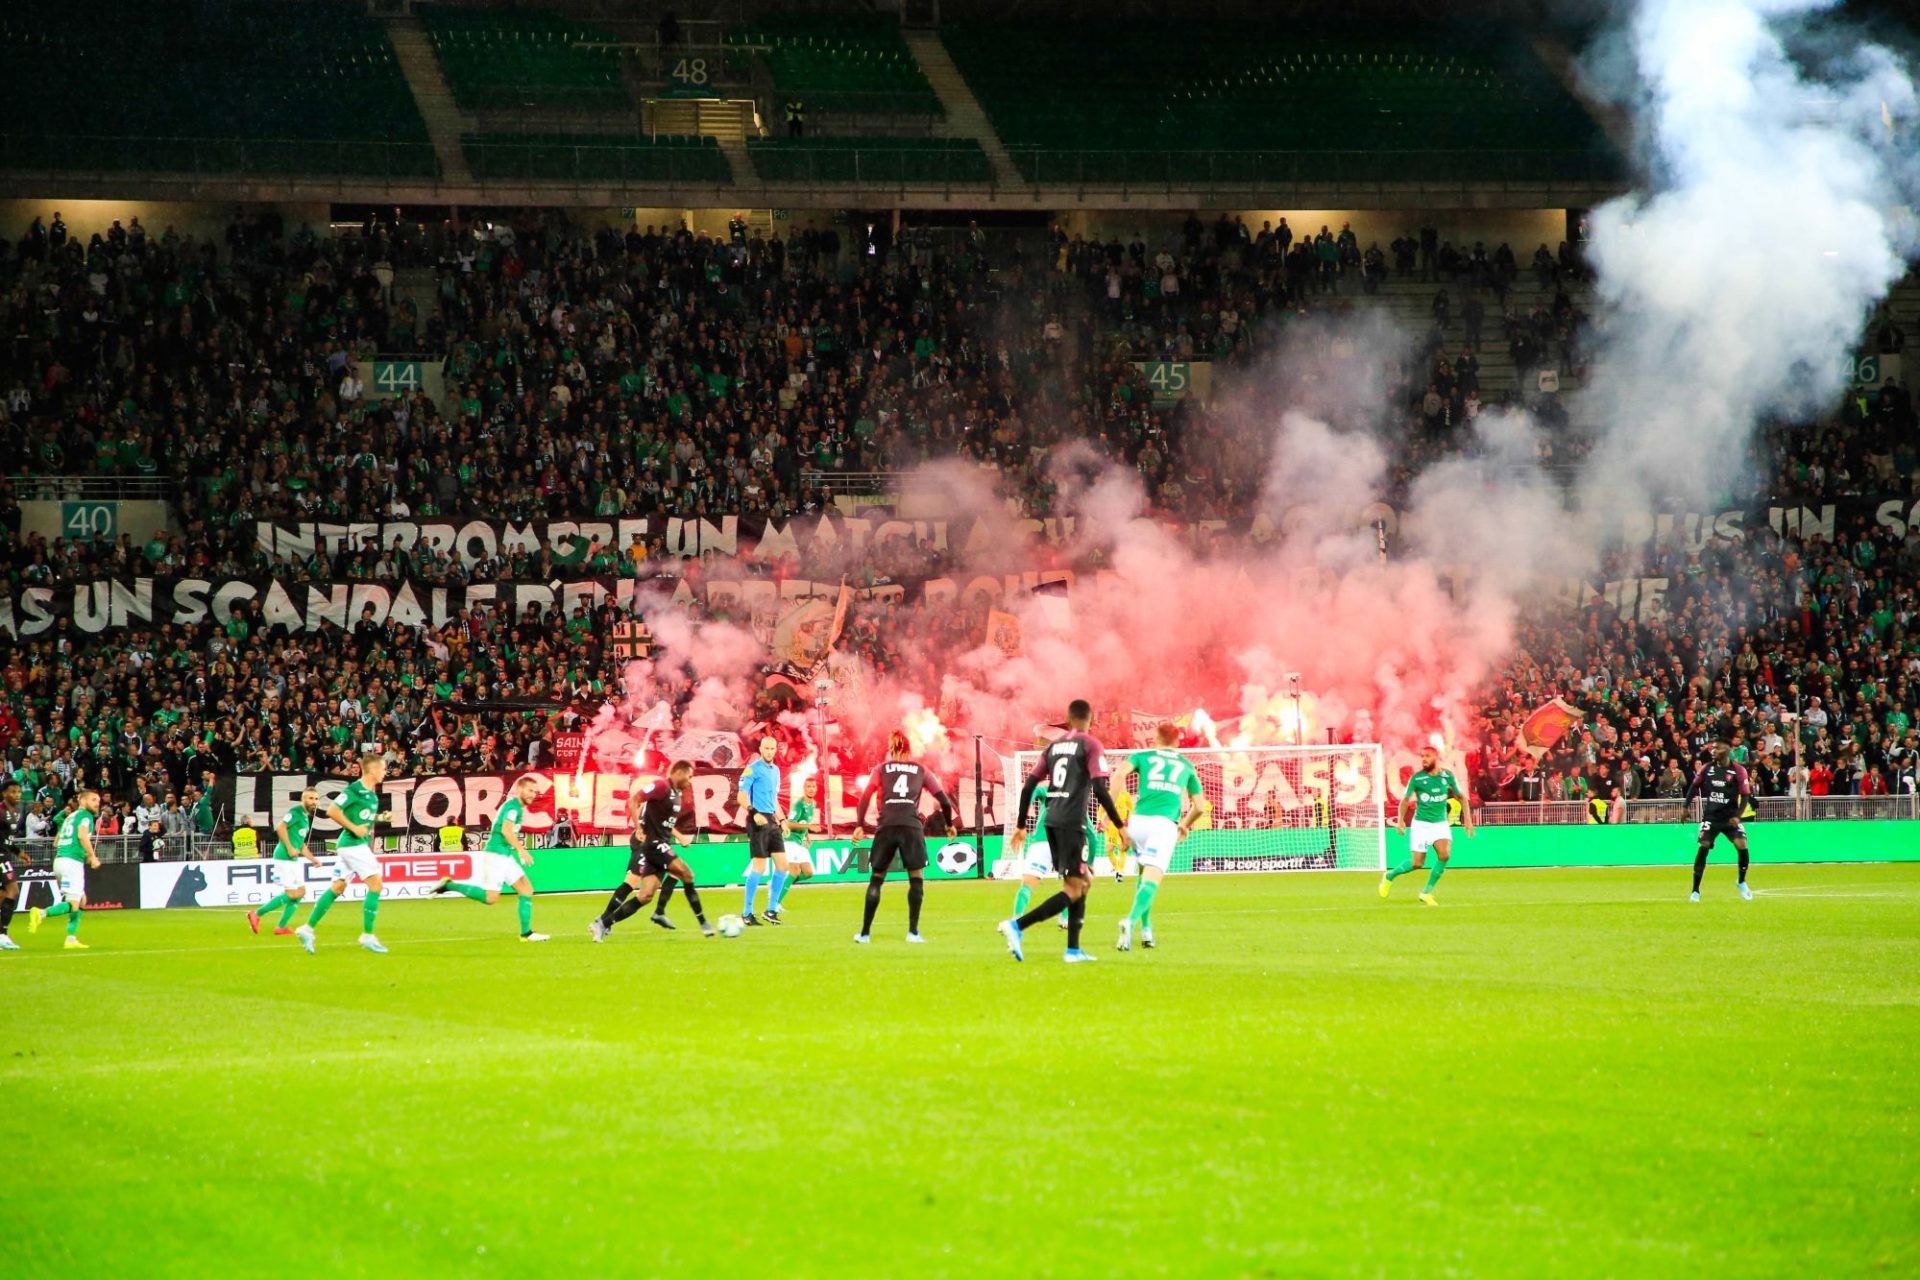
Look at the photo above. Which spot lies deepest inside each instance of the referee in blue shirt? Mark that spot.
(760, 801)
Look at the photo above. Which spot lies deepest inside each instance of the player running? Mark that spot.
(1072, 766)
(357, 810)
(1167, 803)
(73, 855)
(1726, 794)
(654, 811)
(1426, 796)
(760, 801)
(899, 782)
(504, 861)
(1037, 857)
(291, 858)
(13, 861)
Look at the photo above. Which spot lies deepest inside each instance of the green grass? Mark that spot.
(1557, 1073)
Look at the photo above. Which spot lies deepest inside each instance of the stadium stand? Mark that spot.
(870, 159)
(94, 85)
(841, 64)
(505, 58)
(591, 157)
(556, 347)
(1156, 103)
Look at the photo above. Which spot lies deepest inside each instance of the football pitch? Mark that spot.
(1567, 1073)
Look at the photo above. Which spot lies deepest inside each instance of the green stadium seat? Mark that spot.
(591, 157)
(857, 65)
(273, 88)
(916, 161)
(525, 58)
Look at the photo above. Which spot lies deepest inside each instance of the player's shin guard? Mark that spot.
(1742, 851)
(1433, 876)
(874, 885)
(73, 919)
(1143, 901)
(1400, 870)
(916, 894)
(667, 887)
(369, 911)
(472, 891)
(693, 900)
(1699, 866)
(321, 905)
(274, 904)
(631, 907)
(526, 914)
(1076, 917)
(1021, 897)
(7, 907)
(614, 903)
(1044, 912)
(286, 912)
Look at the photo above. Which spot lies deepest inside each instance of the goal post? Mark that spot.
(1305, 808)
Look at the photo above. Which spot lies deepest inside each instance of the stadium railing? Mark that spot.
(93, 488)
(126, 848)
(1766, 809)
(1088, 167)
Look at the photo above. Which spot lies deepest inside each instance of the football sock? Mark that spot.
(1021, 897)
(1143, 901)
(667, 887)
(273, 904)
(369, 908)
(916, 894)
(73, 921)
(1699, 868)
(874, 885)
(286, 912)
(59, 909)
(473, 891)
(7, 907)
(753, 889)
(1076, 916)
(1433, 876)
(321, 905)
(777, 890)
(1743, 865)
(631, 907)
(1045, 911)
(620, 892)
(693, 900)
(526, 913)
(1400, 870)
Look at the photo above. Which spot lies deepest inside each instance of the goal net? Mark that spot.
(1274, 809)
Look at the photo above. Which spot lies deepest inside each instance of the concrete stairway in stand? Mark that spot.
(965, 118)
(445, 122)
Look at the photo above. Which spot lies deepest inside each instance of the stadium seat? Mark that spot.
(92, 84)
(587, 157)
(842, 64)
(923, 161)
(1154, 103)
(521, 58)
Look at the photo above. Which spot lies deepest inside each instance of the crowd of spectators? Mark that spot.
(661, 371)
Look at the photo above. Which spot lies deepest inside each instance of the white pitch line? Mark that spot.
(187, 951)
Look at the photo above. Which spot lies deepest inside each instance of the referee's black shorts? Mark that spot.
(763, 839)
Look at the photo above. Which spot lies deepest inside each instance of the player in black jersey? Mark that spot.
(654, 811)
(12, 863)
(1072, 767)
(899, 783)
(1726, 795)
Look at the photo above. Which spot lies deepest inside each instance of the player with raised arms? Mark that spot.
(760, 802)
(73, 855)
(654, 812)
(1168, 801)
(898, 782)
(1073, 766)
(503, 862)
(1726, 794)
(291, 858)
(1425, 799)
(357, 810)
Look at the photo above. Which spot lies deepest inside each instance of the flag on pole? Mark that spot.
(1548, 723)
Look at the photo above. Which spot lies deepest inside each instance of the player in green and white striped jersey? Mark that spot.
(502, 863)
(291, 858)
(1168, 801)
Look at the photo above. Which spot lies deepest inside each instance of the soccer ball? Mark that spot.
(956, 857)
(732, 926)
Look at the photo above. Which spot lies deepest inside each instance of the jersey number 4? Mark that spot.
(900, 787)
